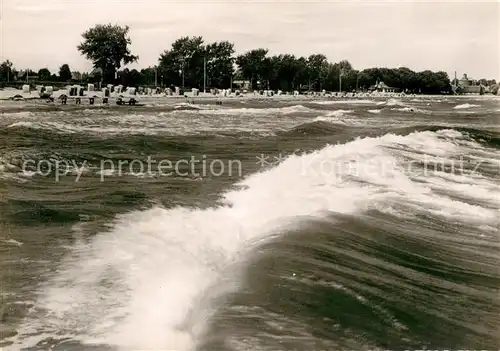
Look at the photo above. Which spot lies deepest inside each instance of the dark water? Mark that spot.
(296, 225)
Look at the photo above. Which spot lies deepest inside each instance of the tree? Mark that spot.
(318, 70)
(252, 65)
(303, 75)
(134, 78)
(408, 79)
(130, 78)
(64, 73)
(332, 81)
(24, 75)
(6, 71)
(219, 62)
(184, 63)
(148, 76)
(107, 46)
(443, 84)
(269, 72)
(288, 68)
(122, 76)
(44, 74)
(181, 65)
(433, 82)
(426, 82)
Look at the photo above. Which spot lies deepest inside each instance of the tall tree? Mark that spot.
(134, 78)
(269, 72)
(44, 74)
(219, 62)
(6, 71)
(183, 62)
(107, 46)
(252, 65)
(318, 70)
(64, 73)
(148, 76)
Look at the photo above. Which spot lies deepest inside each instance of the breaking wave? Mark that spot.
(154, 279)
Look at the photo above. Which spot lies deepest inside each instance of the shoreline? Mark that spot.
(180, 102)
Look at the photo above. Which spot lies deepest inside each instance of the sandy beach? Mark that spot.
(32, 102)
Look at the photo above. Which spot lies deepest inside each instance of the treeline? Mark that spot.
(187, 60)
(8, 73)
(183, 65)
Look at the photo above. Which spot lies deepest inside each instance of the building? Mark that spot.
(465, 81)
(242, 84)
(381, 87)
(469, 86)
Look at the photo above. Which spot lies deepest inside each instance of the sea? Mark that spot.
(294, 225)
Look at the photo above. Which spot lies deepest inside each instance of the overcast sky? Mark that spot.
(436, 35)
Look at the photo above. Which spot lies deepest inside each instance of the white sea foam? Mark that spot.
(20, 114)
(12, 242)
(141, 284)
(226, 120)
(394, 102)
(334, 120)
(409, 109)
(259, 111)
(333, 117)
(69, 128)
(22, 124)
(334, 102)
(465, 106)
(338, 113)
(185, 104)
(127, 125)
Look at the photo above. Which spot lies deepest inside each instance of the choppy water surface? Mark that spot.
(300, 225)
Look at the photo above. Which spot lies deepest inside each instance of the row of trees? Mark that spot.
(185, 62)
(8, 73)
(192, 63)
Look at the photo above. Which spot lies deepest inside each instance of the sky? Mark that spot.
(437, 35)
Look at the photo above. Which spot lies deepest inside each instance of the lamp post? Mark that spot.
(181, 72)
(340, 80)
(205, 73)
